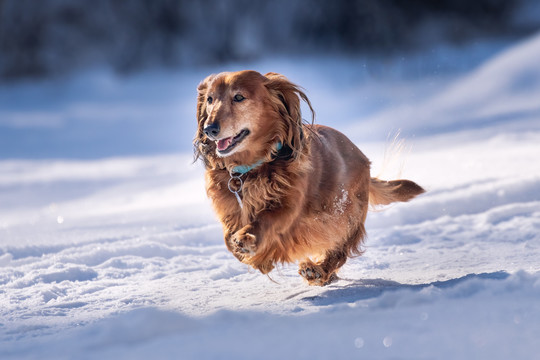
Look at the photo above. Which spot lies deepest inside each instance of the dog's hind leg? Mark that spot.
(323, 273)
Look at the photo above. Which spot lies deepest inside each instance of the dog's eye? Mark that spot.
(238, 98)
(209, 99)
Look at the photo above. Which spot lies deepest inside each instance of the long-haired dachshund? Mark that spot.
(284, 190)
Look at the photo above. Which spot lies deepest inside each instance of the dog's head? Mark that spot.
(243, 115)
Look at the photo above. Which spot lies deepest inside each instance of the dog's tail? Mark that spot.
(385, 192)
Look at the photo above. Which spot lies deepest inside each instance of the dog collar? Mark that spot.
(236, 184)
(243, 169)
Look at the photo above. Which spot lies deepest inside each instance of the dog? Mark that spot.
(284, 190)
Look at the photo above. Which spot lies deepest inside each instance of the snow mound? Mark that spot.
(503, 90)
(375, 320)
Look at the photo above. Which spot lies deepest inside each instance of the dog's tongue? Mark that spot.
(224, 143)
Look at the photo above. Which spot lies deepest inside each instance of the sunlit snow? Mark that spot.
(109, 249)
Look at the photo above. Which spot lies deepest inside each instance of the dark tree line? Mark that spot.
(47, 37)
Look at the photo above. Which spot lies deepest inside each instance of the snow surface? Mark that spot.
(113, 257)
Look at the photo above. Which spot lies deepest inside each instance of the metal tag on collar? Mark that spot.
(240, 170)
(235, 186)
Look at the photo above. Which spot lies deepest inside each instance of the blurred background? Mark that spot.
(105, 78)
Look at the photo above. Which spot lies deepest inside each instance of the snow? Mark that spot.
(113, 251)
(480, 98)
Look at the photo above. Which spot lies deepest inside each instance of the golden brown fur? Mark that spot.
(305, 202)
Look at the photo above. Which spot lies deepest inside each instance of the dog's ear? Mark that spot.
(286, 98)
(201, 96)
(201, 145)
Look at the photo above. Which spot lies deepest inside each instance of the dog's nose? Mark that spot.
(212, 130)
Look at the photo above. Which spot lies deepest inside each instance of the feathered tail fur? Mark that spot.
(385, 192)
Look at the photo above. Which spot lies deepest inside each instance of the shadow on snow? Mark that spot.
(372, 288)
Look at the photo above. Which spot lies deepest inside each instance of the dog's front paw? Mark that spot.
(243, 242)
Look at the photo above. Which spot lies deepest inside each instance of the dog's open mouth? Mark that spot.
(224, 146)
